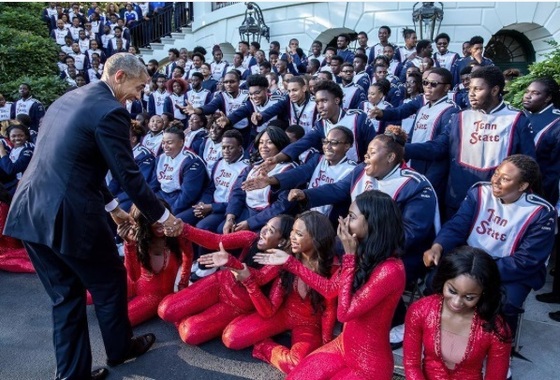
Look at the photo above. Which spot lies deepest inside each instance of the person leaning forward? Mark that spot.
(59, 211)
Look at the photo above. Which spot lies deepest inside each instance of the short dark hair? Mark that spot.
(276, 43)
(256, 45)
(466, 70)
(296, 129)
(406, 32)
(386, 28)
(362, 33)
(476, 40)
(327, 73)
(314, 63)
(383, 85)
(244, 43)
(551, 87)
(257, 80)
(174, 51)
(444, 73)
(347, 132)
(199, 55)
(176, 131)
(234, 134)
(318, 42)
(273, 52)
(345, 36)
(331, 87)
(445, 36)
(422, 44)
(337, 58)
(363, 57)
(266, 64)
(492, 75)
(200, 50)
(198, 75)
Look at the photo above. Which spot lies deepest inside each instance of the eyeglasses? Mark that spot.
(332, 142)
(256, 93)
(432, 84)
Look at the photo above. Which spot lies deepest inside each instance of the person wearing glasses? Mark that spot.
(226, 101)
(353, 93)
(259, 101)
(328, 97)
(430, 122)
(330, 167)
(384, 169)
(443, 57)
(507, 218)
(476, 140)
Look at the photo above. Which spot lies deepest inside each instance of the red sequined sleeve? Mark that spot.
(328, 320)
(497, 363)
(233, 263)
(187, 256)
(386, 279)
(131, 262)
(265, 306)
(412, 347)
(327, 287)
(210, 240)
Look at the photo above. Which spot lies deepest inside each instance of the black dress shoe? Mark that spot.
(548, 297)
(555, 315)
(99, 374)
(139, 346)
(396, 346)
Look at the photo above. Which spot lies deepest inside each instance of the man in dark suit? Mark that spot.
(59, 211)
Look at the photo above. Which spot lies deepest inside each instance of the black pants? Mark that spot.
(66, 279)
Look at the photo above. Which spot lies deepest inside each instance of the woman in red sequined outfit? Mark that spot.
(204, 309)
(449, 335)
(13, 257)
(369, 286)
(291, 305)
(152, 261)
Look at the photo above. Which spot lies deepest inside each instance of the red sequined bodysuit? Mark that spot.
(362, 350)
(204, 309)
(13, 257)
(278, 313)
(423, 338)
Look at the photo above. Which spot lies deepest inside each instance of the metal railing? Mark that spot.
(167, 20)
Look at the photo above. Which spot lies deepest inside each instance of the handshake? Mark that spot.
(172, 226)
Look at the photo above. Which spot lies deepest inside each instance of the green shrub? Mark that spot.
(549, 67)
(25, 22)
(46, 89)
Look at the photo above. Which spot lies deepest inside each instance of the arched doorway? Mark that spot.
(228, 51)
(510, 49)
(329, 36)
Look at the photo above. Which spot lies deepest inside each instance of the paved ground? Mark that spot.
(26, 350)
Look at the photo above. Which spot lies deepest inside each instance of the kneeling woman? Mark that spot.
(368, 286)
(291, 305)
(204, 309)
(449, 335)
(152, 261)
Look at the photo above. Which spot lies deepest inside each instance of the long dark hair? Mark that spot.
(385, 236)
(482, 268)
(286, 225)
(278, 137)
(144, 237)
(321, 231)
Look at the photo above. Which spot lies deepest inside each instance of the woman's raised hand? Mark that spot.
(215, 259)
(272, 257)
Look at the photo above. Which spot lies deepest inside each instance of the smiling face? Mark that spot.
(270, 236)
(156, 124)
(507, 184)
(267, 148)
(296, 92)
(374, 94)
(195, 122)
(461, 294)
(300, 239)
(335, 146)
(258, 95)
(379, 161)
(172, 144)
(17, 137)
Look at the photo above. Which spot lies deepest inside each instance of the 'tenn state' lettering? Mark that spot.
(322, 179)
(479, 136)
(163, 176)
(493, 219)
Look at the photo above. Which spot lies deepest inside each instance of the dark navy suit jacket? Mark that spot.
(61, 199)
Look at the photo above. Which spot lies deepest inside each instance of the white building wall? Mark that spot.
(307, 21)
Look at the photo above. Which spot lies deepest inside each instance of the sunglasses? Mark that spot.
(432, 84)
(332, 142)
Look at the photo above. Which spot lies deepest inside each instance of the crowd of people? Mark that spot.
(317, 188)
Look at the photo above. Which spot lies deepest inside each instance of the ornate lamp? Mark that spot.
(427, 19)
(253, 26)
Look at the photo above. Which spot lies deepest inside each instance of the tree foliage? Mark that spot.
(27, 53)
(549, 67)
